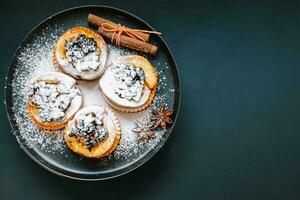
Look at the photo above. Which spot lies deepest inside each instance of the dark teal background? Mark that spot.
(238, 131)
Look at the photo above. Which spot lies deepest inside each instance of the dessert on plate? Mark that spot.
(94, 132)
(53, 99)
(80, 53)
(130, 84)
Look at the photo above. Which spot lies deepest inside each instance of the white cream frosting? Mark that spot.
(55, 101)
(108, 85)
(108, 120)
(92, 66)
(89, 127)
(82, 53)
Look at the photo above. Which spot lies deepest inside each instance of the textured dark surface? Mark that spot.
(237, 136)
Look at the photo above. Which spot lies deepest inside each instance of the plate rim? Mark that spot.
(8, 97)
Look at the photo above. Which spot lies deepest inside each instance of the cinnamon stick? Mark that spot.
(131, 43)
(94, 20)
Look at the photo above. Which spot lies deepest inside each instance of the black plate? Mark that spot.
(78, 167)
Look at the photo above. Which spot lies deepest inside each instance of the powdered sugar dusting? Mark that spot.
(36, 58)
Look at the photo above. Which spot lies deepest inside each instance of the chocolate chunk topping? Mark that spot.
(89, 129)
(82, 53)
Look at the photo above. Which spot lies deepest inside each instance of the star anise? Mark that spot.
(144, 128)
(161, 117)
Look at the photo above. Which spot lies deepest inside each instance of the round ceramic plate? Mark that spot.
(50, 151)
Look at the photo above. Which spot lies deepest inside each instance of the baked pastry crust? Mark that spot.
(151, 81)
(33, 112)
(59, 54)
(103, 148)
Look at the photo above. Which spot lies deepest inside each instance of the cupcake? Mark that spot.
(94, 132)
(53, 99)
(81, 53)
(130, 84)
